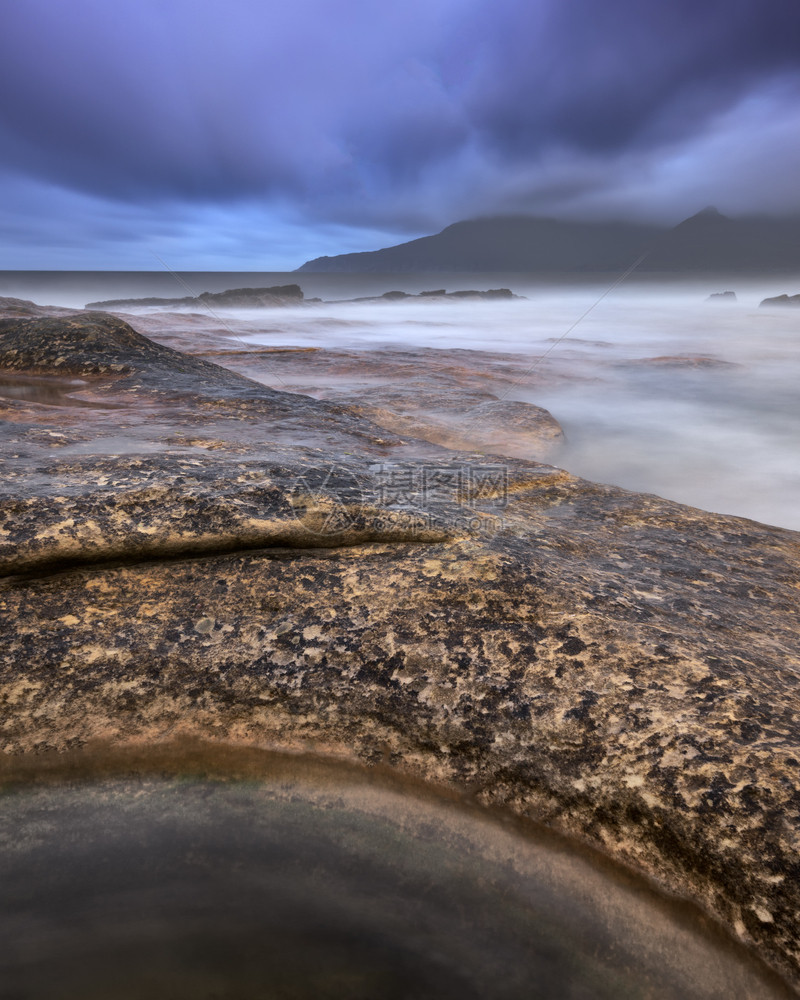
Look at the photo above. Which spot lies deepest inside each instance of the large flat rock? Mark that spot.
(251, 567)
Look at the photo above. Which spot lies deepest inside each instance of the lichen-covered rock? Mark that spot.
(101, 344)
(623, 668)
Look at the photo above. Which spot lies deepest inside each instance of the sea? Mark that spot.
(658, 387)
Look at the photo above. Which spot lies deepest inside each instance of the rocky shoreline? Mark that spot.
(188, 554)
(290, 295)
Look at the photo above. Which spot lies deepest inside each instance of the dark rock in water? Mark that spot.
(489, 294)
(722, 296)
(233, 298)
(280, 295)
(782, 300)
(236, 566)
(677, 361)
(245, 297)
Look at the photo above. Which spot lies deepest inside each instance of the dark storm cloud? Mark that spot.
(200, 100)
(364, 113)
(606, 76)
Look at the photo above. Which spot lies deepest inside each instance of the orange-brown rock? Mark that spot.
(261, 569)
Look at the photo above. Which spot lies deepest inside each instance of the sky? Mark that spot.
(255, 134)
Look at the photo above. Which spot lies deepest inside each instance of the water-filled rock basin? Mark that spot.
(300, 879)
(50, 390)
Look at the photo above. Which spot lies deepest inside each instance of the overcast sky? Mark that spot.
(249, 134)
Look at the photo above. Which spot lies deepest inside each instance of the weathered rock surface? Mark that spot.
(460, 420)
(436, 396)
(251, 567)
(11, 307)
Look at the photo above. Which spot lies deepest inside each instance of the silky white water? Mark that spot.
(657, 390)
(716, 425)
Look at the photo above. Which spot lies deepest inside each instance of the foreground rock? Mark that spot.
(236, 565)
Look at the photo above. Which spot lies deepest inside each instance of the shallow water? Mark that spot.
(49, 391)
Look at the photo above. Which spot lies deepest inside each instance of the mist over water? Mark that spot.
(657, 389)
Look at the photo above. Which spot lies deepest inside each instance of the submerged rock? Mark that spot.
(622, 668)
(469, 420)
(677, 361)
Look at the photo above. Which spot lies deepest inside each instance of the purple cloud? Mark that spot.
(393, 118)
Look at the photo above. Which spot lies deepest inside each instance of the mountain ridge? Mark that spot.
(706, 241)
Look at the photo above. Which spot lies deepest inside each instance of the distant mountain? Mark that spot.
(710, 241)
(707, 241)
